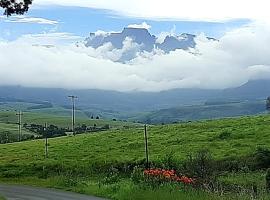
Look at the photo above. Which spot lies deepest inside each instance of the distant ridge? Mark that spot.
(138, 101)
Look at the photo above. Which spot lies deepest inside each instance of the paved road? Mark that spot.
(33, 193)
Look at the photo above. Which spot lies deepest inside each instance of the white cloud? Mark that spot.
(163, 35)
(108, 52)
(142, 25)
(58, 38)
(207, 10)
(32, 20)
(239, 56)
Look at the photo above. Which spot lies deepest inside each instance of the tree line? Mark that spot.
(15, 7)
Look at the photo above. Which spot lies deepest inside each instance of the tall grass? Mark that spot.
(2, 198)
(79, 163)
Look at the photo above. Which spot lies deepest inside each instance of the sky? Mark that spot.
(240, 54)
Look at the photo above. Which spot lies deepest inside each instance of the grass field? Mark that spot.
(11, 128)
(88, 154)
(61, 121)
(199, 112)
(9, 133)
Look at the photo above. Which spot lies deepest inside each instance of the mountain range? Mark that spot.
(143, 40)
(129, 105)
(157, 107)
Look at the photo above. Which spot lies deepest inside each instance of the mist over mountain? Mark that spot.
(132, 102)
(142, 39)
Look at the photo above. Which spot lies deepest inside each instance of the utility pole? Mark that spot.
(73, 98)
(146, 147)
(19, 114)
(46, 140)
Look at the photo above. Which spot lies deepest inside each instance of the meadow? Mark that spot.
(9, 117)
(9, 124)
(103, 163)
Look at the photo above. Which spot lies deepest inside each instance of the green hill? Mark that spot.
(9, 125)
(61, 121)
(9, 133)
(210, 110)
(88, 156)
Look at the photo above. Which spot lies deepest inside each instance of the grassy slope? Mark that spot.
(128, 144)
(11, 128)
(10, 132)
(61, 121)
(243, 135)
(199, 112)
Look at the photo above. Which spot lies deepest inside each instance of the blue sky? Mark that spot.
(43, 43)
(83, 20)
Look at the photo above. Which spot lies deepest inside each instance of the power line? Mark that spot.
(73, 98)
(46, 140)
(146, 147)
(19, 114)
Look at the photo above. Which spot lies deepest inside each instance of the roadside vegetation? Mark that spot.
(227, 159)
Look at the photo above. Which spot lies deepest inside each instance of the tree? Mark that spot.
(15, 6)
(268, 104)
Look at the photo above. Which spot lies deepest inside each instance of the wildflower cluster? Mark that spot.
(169, 175)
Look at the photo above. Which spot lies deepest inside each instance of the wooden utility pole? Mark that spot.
(19, 114)
(146, 147)
(46, 140)
(73, 113)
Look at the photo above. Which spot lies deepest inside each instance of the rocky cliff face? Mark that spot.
(143, 40)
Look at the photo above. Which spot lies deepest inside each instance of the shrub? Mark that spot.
(200, 165)
(169, 161)
(267, 180)
(137, 175)
(225, 134)
(113, 176)
(262, 158)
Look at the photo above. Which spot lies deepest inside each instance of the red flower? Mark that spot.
(168, 175)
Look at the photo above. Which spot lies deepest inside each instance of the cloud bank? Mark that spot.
(207, 10)
(142, 25)
(31, 20)
(239, 56)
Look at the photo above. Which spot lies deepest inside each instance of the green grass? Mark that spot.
(9, 132)
(2, 198)
(245, 179)
(61, 121)
(199, 112)
(12, 128)
(125, 189)
(15, 105)
(226, 138)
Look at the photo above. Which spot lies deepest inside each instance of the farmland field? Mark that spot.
(88, 157)
(61, 121)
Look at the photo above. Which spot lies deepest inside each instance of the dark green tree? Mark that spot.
(15, 7)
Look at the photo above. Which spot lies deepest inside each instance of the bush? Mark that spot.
(267, 180)
(200, 166)
(225, 134)
(169, 161)
(137, 175)
(112, 177)
(262, 158)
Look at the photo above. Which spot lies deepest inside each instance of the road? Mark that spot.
(34, 193)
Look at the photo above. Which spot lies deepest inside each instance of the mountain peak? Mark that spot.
(143, 38)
